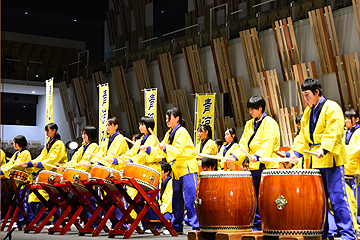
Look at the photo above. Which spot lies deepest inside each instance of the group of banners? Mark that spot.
(204, 108)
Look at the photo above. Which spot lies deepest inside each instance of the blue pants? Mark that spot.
(184, 191)
(354, 187)
(256, 175)
(334, 184)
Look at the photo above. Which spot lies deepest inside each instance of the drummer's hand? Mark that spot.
(126, 161)
(282, 153)
(293, 159)
(24, 164)
(231, 158)
(161, 146)
(143, 148)
(320, 153)
(61, 168)
(253, 159)
(111, 160)
(35, 164)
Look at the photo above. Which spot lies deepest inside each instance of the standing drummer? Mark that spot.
(261, 138)
(322, 131)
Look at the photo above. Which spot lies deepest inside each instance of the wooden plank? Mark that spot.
(298, 88)
(341, 76)
(349, 83)
(293, 40)
(288, 42)
(282, 51)
(317, 39)
(324, 38)
(356, 6)
(279, 52)
(212, 44)
(162, 77)
(334, 37)
(257, 50)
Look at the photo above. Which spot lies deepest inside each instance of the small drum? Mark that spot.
(75, 176)
(225, 201)
(48, 177)
(292, 202)
(147, 177)
(19, 176)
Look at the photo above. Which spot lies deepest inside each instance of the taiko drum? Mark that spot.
(292, 202)
(225, 201)
(48, 177)
(147, 177)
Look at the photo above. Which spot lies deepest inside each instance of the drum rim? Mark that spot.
(12, 170)
(224, 227)
(274, 172)
(308, 233)
(141, 182)
(51, 172)
(108, 168)
(224, 174)
(77, 170)
(143, 166)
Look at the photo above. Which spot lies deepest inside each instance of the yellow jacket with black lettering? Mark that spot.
(2, 157)
(83, 157)
(353, 153)
(265, 143)
(55, 156)
(22, 156)
(209, 147)
(142, 157)
(180, 154)
(328, 133)
(118, 147)
(229, 152)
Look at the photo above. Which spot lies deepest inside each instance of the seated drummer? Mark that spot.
(166, 193)
(229, 146)
(209, 164)
(81, 159)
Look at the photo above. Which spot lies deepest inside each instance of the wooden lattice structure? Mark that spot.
(193, 68)
(167, 75)
(69, 115)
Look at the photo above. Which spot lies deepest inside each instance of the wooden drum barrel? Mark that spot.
(292, 202)
(225, 201)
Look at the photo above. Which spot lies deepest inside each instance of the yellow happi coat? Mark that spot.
(352, 152)
(83, 157)
(229, 152)
(21, 156)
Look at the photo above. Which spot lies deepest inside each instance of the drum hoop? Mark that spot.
(77, 170)
(224, 174)
(143, 166)
(222, 228)
(51, 172)
(270, 172)
(14, 170)
(308, 233)
(141, 182)
(108, 168)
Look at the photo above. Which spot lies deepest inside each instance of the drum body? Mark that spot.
(147, 177)
(225, 201)
(292, 202)
(75, 176)
(105, 173)
(48, 177)
(19, 176)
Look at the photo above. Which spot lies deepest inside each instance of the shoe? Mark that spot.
(49, 226)
(166, 232)
(148, 231)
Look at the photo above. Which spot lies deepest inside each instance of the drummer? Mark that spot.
(261, 138)
(54, 153)
(166, 193)
(114, 144)
(209, 164)
(322, 131)
(178, 148)
(206, 144)
(218, 143)
(229, 147)
(81, 159)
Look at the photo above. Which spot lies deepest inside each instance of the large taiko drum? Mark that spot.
(147, 177)
(292, 202)
(105, 173)
(19, 176)
(48, 177)
(75, 176)
(225, 201)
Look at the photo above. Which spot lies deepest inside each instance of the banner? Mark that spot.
(151, 105)
(103, 111)
(204, 112)
(49, 101)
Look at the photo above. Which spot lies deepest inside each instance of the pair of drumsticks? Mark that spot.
(48, 164)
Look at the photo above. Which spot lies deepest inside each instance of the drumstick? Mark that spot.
(118, 157)
(98, 156)
(246, 153)
(132, 142)
(152, 133)
(274, 159)
(310, 153)
(211, 156)
(50, 165)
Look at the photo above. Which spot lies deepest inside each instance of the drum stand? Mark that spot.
(16, 202)
(108, 204)
(149, 202)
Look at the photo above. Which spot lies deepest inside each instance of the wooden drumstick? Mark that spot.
(118, 157)
(274, 159)
(211, 156)
(132, 142)
(246, 153)
(98, 156)
(152, 133)
(50, 165)
(310, 153)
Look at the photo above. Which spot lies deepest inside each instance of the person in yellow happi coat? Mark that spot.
(322, 132)
(178, 149)
(54, 153)
(114, 145)
(2, 157)
(81, 158)
(261, 138)
(206, 144)
(229, 147)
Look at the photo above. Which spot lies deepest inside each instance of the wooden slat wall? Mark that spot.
(252, 53)
(69, 115)
(110, 20)
(120, 85)
(238, 98)
(179, 100)
(356, 6)
(286, 45)
(348, 71)
(221, 124)
(193, 68)
(142, 77)
(167, 75)
(301, 72)
(221, 58)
